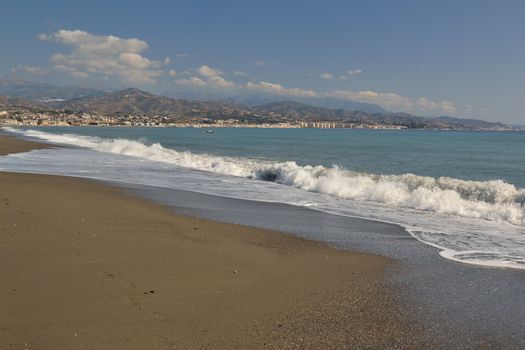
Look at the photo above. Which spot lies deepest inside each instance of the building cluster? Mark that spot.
(343, 125)
(35, 118)
(27, 117)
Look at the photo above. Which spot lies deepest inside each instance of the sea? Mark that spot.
(462, 192)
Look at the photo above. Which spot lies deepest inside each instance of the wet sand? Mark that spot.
(10, 144)
(85, 266)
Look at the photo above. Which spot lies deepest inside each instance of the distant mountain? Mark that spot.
(197, 95)
(6, 101)
(43, 92)
(251, 99)
(254, 107)
(327, 102)
(469, 123)
(299, 111)
(123, 101)
(137, 102)
(337, 103)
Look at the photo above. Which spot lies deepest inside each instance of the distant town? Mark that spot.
(22, 117)
(27, 104)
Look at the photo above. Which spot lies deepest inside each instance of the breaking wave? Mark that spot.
(493, 200)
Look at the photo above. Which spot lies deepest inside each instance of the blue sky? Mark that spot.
(461, 58)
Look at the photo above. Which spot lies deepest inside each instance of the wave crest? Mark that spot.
(490, 200)
(493, 200)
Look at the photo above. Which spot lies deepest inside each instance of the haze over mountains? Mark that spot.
(49, 93)
(254, 108)
(256, 99)
(43, 92)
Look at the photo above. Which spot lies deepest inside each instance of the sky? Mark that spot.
(461, 58)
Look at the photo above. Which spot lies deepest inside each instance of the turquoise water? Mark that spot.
(459, 154)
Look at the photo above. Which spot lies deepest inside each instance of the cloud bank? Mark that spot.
(209, 77)
(279, 89)
(110, 56)
(107, 55)
(394, 102)
(29, 69)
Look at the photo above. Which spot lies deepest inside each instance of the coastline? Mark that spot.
(434, 302)
(87, 266)
(11, 144)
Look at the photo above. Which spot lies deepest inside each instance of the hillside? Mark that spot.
(255, 100)
(469, 122)
(295, 110)
(12, 102)
(124, 101)
(135, 102)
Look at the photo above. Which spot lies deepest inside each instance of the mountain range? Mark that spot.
(261, 98)
(21, 102)
(134, 101)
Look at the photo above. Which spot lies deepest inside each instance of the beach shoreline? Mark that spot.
(379, 289)
(10, 144)
(87, 266)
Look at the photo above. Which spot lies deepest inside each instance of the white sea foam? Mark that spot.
(475, 222)
(493, 200)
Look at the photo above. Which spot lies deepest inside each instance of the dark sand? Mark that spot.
(87, 267)
(9, 144)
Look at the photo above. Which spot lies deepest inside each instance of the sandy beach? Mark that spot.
(85, 266)
(10, 145)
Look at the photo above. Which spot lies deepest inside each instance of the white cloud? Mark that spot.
(71, 71)
(79, 75)
(388, 100)
(192, 82)
(354, 71)
(424, 104)
(172, 72)
(347, 75)
(279, 89)
(30, 69)
(208, 72)
(240, 73)
(211, 78)
(395, 102)
(180, 56)
(134, 60)
(221, 82)
(107, 55)
(259, 63)
(167, 61)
